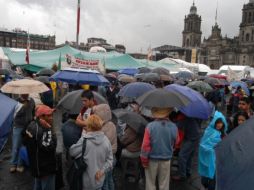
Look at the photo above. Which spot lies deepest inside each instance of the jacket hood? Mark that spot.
(97, 137)
(103, 111)
(218, 115)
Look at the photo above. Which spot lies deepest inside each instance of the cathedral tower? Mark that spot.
(192, 29)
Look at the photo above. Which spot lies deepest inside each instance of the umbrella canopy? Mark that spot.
(200, 86)
(234, 159)
(80, 76)
(160, 71)
(243, 85)
(126, 79)
(198, 107)
(185, 75)
(132, 119)
(24, 86)
(148, 77)
(135, 89)
(166, 78)
(161, 98)
(129, 71)
(43, 79)
(144, 70)
(213, 81)
(7, 112)
(72, 103)
(45, 72)
(217, 76)
(181, 82)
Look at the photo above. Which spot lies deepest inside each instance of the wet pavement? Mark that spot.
(24, 181)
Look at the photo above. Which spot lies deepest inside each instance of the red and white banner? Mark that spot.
(81, 63)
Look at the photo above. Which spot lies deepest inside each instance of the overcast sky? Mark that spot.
(135, 23)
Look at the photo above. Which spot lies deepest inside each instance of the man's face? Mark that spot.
(48, 118)
(243, 106)
(87, 103)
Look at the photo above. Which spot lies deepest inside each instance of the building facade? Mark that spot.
(192, 29)
(18, 39)
(217, 50)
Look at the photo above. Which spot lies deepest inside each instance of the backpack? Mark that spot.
(75, 172)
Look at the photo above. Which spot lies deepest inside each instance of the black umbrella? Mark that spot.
(161, 98)
(45, 72)
(148, 77)
(160, 71)
(44, 79)
(132, 119)
(72, 103)
(234, 159)
(144, 70)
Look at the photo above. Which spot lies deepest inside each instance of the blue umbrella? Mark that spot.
(6, 112)
(243, 85)
(80, 77)
(234, 159)
(129, 71)
(198, 107)
(135, 89)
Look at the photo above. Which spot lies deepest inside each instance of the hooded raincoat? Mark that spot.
(211, 137)
(98, 156)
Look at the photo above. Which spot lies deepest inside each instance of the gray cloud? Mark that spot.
(136, 24)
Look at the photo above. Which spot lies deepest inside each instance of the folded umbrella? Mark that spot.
(24, 86)
(132, 119)
(135, 89)
(234, 159)
(71, 103)
(161, 98)
(198, 106)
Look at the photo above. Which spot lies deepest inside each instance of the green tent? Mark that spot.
(39, 59)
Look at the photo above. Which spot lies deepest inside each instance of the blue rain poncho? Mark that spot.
(211, 137)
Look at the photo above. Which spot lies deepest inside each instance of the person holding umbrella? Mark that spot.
(22, 119)
(157, 148)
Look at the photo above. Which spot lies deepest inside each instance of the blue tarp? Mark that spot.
(6, 117)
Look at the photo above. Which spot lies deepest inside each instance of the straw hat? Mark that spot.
(160, 113)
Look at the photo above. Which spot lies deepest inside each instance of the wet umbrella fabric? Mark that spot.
(135, 89)
(234, 159)
(72, 103)
(7, 111)
(132, 119)
(243, 85)
(213, 81)
(45, 72)
(185, 75)
(80, 77)
(148, 77)
(160, 71)
(24, 86)
(43, 79)
(144, 70)
(161, 98)
(200, 86)
(198, 107)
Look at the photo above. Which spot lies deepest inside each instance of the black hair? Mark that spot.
(87, 94)
(245, 99)
(222, 130)
(240, 113)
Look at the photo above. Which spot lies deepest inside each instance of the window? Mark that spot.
(250, 17)
(247, 37)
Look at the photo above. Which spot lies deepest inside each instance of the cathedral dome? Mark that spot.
(193, 9)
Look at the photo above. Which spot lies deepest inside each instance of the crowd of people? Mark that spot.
(109, 141)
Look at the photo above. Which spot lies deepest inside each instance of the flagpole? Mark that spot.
(78, 23)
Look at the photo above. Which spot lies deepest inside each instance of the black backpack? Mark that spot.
(75, 172)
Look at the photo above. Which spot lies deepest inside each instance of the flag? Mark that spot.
(59, 63)
(28, 49)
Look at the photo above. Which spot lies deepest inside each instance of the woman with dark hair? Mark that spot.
(239, 118)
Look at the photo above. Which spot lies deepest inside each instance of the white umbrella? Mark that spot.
(24, 86)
